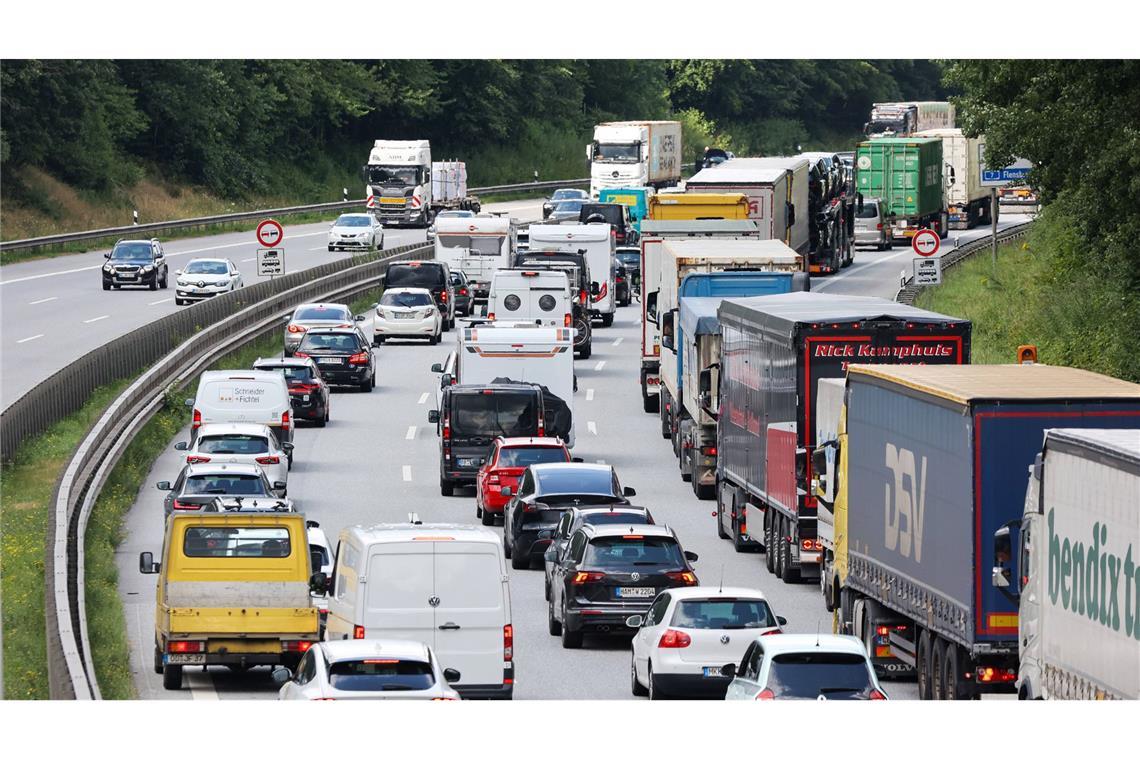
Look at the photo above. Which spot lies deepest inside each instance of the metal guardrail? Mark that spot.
(908, 291)
(242, 316)
(243, 216)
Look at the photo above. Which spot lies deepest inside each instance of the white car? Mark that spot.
(205, 278)
(361, 232)
(320, 555)
(689, 634)
(240, 443)
(804, 666)
(367, 669)
(407, 313)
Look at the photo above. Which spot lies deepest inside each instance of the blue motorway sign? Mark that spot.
(1017, 172)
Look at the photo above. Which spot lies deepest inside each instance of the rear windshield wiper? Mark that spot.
(837, 689)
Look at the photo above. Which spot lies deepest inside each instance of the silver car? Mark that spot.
(310, 315)
(362, 232)
(871, 227)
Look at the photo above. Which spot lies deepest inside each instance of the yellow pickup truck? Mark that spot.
(233, 589)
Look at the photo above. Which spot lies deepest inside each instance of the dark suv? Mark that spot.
(614, 214)
(135, 262)
(433, 275)
(609, 572)
(575, 266)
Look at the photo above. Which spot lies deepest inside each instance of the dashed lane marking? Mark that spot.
(423, 398)
(96, 319)
(411, 436)
(43, 300)
(156, 303)
(599, 365)
(589, 394)
(34, 337)
(618, 341)
(592, 427)
(407, 473)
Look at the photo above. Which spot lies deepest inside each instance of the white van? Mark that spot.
(541, 296)
(443, 585)
(477, 246)
(249, 396)
(600, 243)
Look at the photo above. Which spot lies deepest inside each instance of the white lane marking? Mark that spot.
(598, 367)
(201, 684)
(43, 300)
(407, 473)
(156, 303)
(423, 398)
(411, 436)
(844, 275)
(25, 340)
(592, 427)
(618, 341)
(245, 261)
(96, 319)
(589, 394)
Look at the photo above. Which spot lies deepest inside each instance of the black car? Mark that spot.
(308, 391)
(631, 259)
(577, 269)
(545, 492)
(562, 194)
(609, 572)
(136, 262)
(433, 275)
(343, 355)
(471, 417)
(621, 284)
(565, 211)
(614, 214)
(463, 297)
(576, 517)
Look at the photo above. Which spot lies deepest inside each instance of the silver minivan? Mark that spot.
(870, 225)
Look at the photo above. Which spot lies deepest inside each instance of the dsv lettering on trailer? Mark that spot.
(909, 502)
(1086, 577)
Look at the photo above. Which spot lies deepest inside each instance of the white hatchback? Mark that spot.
(361, 232)
(205, 278)
(684, 641)
(407, 313)
(240, 443)
(804, 666)
(367, 669)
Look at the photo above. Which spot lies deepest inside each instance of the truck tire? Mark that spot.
(922, 664)
(172, 677)
(738, 544)
(769, 553)
(666, 424)
(953, 685)
(789, 573)
(937, 660)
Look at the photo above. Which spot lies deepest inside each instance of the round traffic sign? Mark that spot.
(925, 242)
(269, 233)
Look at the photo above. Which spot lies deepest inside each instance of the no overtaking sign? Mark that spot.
(269, 233)
(925, 242)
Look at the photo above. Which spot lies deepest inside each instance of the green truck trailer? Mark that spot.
(906, 173)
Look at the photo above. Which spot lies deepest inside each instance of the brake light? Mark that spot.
(361, 358)
(305, 387)
(530, 274)
(708, 451)
(197, 420)
(297, 329)
(463, 291)
(443, 296)
(811, 545)
(883, 630)
(995, 675)
(686, 577)
(196, 459)
(879, 226)
(587, 577)
(508, 643)
(182, 647)
(357, 631)
(674, 639)
(567, 320)
(541, 426)
(766, 694)
(185, 505)
(285, 423)
(490, 315)
(876, 694)
(447, 428)
(443, 699)
(633, 536)
(772, 632)
(582, 295)
(271, 459)
(296, 646)
(300, 355)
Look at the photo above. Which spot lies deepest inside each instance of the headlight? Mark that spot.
(429, 312)
(223, 282)
(108, 268)
(182, 283)
(147, 268)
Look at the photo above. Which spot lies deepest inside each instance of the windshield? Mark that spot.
(317, 313)
(406, 300)
(414, 276)
(225, 484)
(233, 443)
(886, 125)
(381, 675)
(353, 221)
(630, 259)
(404, 176)
(631, 549)
(207, 267)
(520, 456)
(564, 194)
(493, 414)
(344, 343)
(572, 206)
(809, 675)
(131, 252)
(576, 480)
(236, 542)
(477, 245)
(622, 153)
(723, 614)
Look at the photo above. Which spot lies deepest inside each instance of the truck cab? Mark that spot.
(636, 199)
(397, 182)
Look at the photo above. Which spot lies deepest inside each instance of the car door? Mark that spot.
(470, 610)
(235, 276)
(650, 632)
(485, 473)
(570, 560)
(398, 592)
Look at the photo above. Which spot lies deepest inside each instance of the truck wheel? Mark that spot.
(778, 544)
(666, 426)
(157, 660)
(954, 686)
(937, 666)
(769, 551)
(720, 531)
(172, 677)
(922, 664)
(703, 492)
(446, 488)
(106, 285)
(738, 544)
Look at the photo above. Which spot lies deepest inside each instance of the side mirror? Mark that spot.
(781, 620)
(107, 255)
(505, 491)
(359, 318)
(282, 675)
(451, 675)
(189, 403)
(729, 670)
(319, 583)
(287, 447)
(1002, 574)
(433, 416)
(437, 367)
(182, 446)
(445, 380)
(312, 524)
(147, 565)
(164, 485)
(691, 556)
(627, 491)
(635, 621)
(280, 485)
(594, 289)
(577, 459)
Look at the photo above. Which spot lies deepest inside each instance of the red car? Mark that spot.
(508, 459)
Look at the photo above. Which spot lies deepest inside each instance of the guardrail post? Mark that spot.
(344, 193)
(135, 216)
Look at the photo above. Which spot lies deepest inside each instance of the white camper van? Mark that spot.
(243, 396)
(478, 246)
(440, 584)
(599, 243)
(541, 296)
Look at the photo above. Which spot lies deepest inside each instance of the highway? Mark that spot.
(54, 310)
(377, 461)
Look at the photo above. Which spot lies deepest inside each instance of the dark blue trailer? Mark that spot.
(937, 460)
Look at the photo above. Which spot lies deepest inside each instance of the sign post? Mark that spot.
(271, 257)
(993, 179)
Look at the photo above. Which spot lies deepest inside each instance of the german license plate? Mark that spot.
(468, 462)
(712, 672)
(331, 361)
(405, 316)
(185, 659)
(636, 592)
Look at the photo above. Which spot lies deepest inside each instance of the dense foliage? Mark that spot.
(241, 127)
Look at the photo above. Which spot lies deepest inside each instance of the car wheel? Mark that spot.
(587, 349)
(446, 488)
(519, 561)
(635, 685)
(106, 286)
(289, 459)
(607, 320)
(487, 518)
(157, 660)
(546, 589)
(433, 340)
(154, 283)
(570, 639)
(654, 691)
(552, 625)
(172, 677)
(323, 420)
(165, 280)
(377, 340)
(331, 249)
(367, 385)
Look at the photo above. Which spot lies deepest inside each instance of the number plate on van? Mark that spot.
(185, 659)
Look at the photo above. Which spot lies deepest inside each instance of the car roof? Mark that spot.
(617, 529)
(233, 428)
(510, 443)
(562, 466)
(711, 592)
(401, 532)
(354, 649)
(355, 214)
(213, 468)
(284, 361)
(139, 240)
(805, 642)
(207, 258)
(418, 291)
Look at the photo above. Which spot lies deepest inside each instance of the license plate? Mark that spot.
(185, 659)
(636, 592)
(405, 316)
(330, 361)
(468, 462)
(712, 672)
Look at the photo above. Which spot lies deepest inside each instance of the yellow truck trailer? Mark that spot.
(687, 206)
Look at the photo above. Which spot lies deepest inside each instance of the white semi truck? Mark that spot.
(967, 202)
(634, 154)
(403, 186)
(905, 118)
(1077, 574)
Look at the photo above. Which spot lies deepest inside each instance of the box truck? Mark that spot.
(967, 202)
(1078, 619)
(774, 351)
(933, 462)
(906, 173)
(403, 186)
(634, 154)
(904, 119)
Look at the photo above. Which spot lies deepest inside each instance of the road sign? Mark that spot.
(1018, 171)
(269, 233)
(270, 262)
(925, 242)
(928, 271)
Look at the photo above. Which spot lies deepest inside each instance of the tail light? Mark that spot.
(443, 296)
(541, 426)
(879, 226)
(674, 639)
(305, 387)
(285, 422)
(197, 459)
(508, 643)
(357, 631)
(443, 699)
(361, 358)
(184, 647)
(587, 577)
(297, 329)
(447, 428)
(582, 296)
(766, 694)
(686, 577)
(463, 291)
(271, 459)
(300, 355)
(995, 675)
(185, 505)
(876, 694)
(811, 545)
(296, 646)
(708, 451)
(567, 320)
(772, 632)
(197, 420)
(490, 315)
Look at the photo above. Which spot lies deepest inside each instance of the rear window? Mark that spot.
(405, 276)
(524, 456)
(616, 518)
(547, 517)
(312, 313)
(233, 444)
(870, 211)
(236, 542)
(381, 675)
(612, 214)
(630, 259)
(576, 480)
(227, 484)
(476, 245)
(809, 675)
(494, 414)
(723, 613)
(330, 342)
(302, 374)
(405, 299)
(622, 551)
